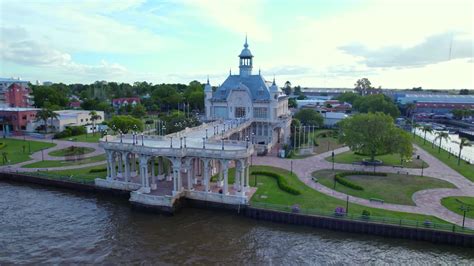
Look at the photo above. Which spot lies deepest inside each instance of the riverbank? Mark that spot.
(423, 232)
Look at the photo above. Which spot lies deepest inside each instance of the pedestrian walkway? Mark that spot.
(427, 201)
(44, 155)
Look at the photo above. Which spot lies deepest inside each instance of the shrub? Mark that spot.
(281, 181)
(365, 213)
(98, 170)
(71, 131)
(2, 145)
(341, 180)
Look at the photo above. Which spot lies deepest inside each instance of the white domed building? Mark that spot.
(250, 96)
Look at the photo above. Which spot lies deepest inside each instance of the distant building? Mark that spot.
(75, 104)
(119, 102)
(18, 96)
(47, 83)
(436, 103)
(14, 119)
(332, 118)
(15, 93)
(68, 118)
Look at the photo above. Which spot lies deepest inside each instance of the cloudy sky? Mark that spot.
(315, 43)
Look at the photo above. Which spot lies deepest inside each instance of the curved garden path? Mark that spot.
(60, 144)
(427, 201)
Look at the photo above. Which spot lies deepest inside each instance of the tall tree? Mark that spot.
(309, 117)
(426, 129)
(464, 142)
(43, 115)
(94, 117)
(372, 134)
(440, 135)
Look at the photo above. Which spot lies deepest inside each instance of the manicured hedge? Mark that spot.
(98, 170)
(341, 180)
(2, 145)
(281, 181)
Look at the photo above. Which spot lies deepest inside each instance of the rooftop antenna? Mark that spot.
(230, 71)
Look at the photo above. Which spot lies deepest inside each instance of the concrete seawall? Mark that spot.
(384, 230)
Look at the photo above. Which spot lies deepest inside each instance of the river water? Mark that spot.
(41, 225)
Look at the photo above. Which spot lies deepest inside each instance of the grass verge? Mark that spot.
(393, 188)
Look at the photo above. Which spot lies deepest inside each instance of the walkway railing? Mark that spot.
(367, 219)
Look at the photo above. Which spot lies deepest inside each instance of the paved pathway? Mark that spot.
(60, 144)
(427, 201)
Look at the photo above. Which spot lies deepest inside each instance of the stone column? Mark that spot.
(188, 168)
(120, 164)
(176, 176)
(225, 172)
(238, 173)
(127, 167)
(153, 177)
(144, 173)
(206, 175)
(109, 164)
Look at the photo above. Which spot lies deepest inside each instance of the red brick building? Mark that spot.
(18, 96)
(16, 119)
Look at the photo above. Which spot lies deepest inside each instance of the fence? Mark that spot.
(366, 219)
(81, 179)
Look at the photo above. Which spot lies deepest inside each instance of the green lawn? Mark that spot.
(350, 157)
(392, 188)
(45, 164)
(14, 149)
(85, 138)
(80, 174)
(465, 169)
(268, 192)
(454, 204)
(70, 151)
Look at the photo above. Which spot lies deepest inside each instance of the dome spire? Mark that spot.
(207, 79)
(246, 44)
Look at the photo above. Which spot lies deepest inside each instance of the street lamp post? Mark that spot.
(171, 142)
(222, 144)
(204, 143)
(143, 142)
(206, 133)
(465, 209)
(180, 143)
(185, 142)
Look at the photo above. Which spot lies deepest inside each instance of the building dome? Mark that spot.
(208, 87)
(246, 51)
(274, 87)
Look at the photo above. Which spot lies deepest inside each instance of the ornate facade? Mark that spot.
(251, 97)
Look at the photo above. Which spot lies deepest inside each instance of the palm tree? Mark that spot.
(464, 142)
(426, 129)
(52, 115)
(414, 126)
(441, 135)
(43, 115)
(94, 117)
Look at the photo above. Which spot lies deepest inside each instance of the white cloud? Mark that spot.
(27, 52)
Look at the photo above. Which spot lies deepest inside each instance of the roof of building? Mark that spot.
(256, 84)
(129, 99)
(17, 109)
(11, 80)
(245, 52)
(435, 98)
